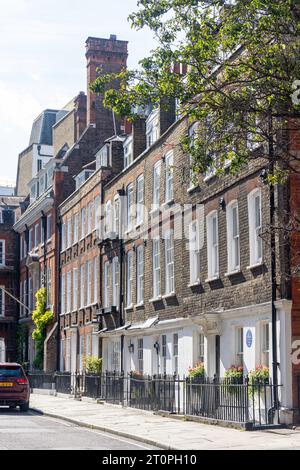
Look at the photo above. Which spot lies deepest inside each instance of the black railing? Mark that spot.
(41, 380)
(227, 400)
(154, 393)
(92, 386)
(64, 382)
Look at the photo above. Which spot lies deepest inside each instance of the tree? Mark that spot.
(239, 80)
(241, 66)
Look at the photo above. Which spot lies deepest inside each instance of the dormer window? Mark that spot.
(82, 177)
(42, 184)
(152, 128)
(102, 157)
(33, 192)
(128, 152)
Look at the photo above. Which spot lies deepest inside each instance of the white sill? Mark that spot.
(209, 177)
(155, 299)
(168, 203)
(168, 296)
(154, 212)
(192, 188)
(129, 307)
(212, 279)
(253, 266)
(141, 304)
(195, 284)
(232, 273)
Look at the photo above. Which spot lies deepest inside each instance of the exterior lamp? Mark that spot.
(156, 347)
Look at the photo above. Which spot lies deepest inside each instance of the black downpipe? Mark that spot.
(58, 300)
(44, 225)
(122, 277)
(273, 266)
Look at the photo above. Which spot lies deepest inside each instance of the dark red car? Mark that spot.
(14, 387)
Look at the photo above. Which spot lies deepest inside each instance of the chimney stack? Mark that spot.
(110, 56)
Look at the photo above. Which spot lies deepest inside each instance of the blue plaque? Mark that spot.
(249, 338)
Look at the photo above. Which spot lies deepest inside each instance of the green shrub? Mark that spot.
(197, 371)
(41, 317)
(92, 364)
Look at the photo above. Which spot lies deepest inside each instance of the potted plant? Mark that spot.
(197, 373)
(234, 374)
(258, 377)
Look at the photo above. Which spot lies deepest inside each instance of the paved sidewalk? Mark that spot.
(166, 433)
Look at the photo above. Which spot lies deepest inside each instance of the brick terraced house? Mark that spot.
(9, 274)
(167, 303)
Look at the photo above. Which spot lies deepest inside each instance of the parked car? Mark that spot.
(14, 386)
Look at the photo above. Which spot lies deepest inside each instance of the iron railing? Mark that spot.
(41, 380)
(235, 401)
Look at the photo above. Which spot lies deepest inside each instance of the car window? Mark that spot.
(10, 372)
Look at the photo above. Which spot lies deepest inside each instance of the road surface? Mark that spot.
(31, 431)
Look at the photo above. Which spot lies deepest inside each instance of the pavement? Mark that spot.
(161, 432)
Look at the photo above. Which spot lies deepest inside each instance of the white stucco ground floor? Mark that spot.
(240, 337)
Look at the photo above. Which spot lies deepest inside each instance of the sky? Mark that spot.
(42, 59)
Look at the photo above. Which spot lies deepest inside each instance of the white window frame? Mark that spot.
(156, 268)
(156, 184)
(140, 274)
(76, 228)
(169, 263)
(36, 235)
(75, 289)
(96, 215)
(212, 245)
(128, 152)
(69, 232)
(2, 259)
(201, 348)
(129, 278)
(169, 177)
(88, 283)
(265, 344)
(30, 240)
(82, 222)
(2, 302)
(116, 215)
(115, 282)
(239, 352)
(175, 352)
(129, 212)
(63, 294)
(140, 199)
(82, 286)
(106, 284)
(192, 133)
(233, 237)
(69, 291)
(163, 355)
(140, 355)
(96, 280)
(108, 217)
(49, 227)
(2, 350)
(255, 228)
(89, 218)
(194, 252)
(152, 127)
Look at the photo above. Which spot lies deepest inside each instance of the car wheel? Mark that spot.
(24, 407)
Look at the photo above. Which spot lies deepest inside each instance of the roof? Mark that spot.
(10, 200)
(41, 132)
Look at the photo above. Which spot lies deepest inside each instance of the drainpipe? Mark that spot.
(27, 293)
(44, 225)
(273, 266)
(58, 299)
(121, 264)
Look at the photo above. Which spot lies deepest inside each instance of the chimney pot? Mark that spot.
(113, 37)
